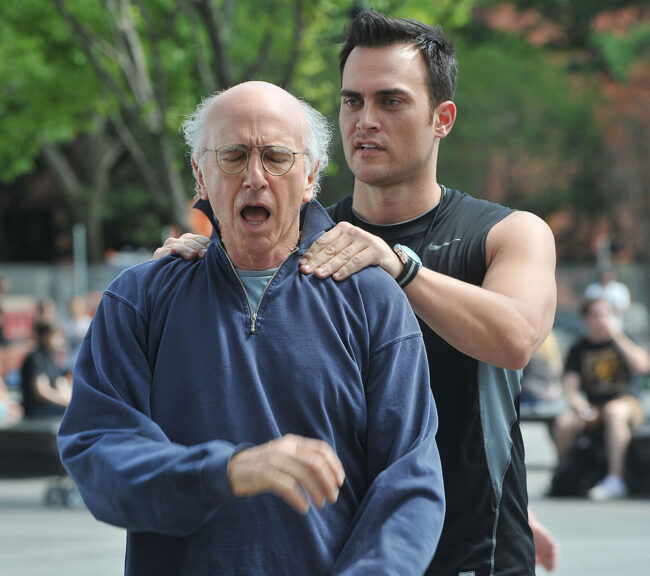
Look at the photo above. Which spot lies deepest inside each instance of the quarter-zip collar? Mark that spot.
(314, 221)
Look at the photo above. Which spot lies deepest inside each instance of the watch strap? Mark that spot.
(411, 268)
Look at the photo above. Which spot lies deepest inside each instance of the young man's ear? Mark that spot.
(443, 118)
(201, 192)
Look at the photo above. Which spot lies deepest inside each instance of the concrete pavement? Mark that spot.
(596, 539)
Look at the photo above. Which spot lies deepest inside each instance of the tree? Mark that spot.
(117, 76)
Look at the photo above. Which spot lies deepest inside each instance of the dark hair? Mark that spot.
(372, 29)
(588, 304)
(43, 327)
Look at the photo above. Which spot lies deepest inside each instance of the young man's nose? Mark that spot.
(368, 118)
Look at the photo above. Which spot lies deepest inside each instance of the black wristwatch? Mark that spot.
(412, 264)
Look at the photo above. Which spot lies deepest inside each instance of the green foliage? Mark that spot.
(525, 127)
(48, 94)
(619, 51)
(522, 126)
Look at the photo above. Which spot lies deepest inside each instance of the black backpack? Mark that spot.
(582, 468)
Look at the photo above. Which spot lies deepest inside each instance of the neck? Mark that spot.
(394, 204)
(250, 258)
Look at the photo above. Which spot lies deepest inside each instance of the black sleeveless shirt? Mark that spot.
(486, 529)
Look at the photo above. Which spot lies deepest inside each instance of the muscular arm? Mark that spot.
(504, 320)
(501, 322)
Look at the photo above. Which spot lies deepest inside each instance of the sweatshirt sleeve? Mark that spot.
(127, 471)
(398, 525)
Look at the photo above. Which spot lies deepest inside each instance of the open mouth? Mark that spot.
(255, 215)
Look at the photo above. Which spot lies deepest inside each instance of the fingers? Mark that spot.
(330, 247)
(546, 549)
(298, 470)
(189, 246)
(345, 250)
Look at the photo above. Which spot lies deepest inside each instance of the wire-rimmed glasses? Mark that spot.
(234, 158)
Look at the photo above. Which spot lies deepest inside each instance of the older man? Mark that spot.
(215, 401)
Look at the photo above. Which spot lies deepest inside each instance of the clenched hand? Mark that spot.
(296, 469)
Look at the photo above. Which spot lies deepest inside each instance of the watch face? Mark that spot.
(399, 250)
(405, 253)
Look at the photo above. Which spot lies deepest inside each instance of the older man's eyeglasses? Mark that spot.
(276, 160)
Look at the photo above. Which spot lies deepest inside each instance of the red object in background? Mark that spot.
(18, 317)
(18, 313)
(199, 223)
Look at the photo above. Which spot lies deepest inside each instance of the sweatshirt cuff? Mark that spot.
(213, 473)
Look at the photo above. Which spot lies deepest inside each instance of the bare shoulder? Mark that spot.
(521, 222)
(520, 231)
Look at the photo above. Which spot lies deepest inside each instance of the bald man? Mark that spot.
(239, 417)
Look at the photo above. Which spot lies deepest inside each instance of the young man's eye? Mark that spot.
(351, 102)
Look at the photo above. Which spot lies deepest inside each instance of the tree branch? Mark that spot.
(146, 170)
(63, 172)
(203, 68)
(221, 66)
(295, 48)
(87, 44)
(254, 70)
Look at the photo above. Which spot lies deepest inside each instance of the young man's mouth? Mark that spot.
(367, 145)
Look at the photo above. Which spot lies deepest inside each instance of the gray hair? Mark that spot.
(317, 137)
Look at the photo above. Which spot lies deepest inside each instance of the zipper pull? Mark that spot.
(253, 320)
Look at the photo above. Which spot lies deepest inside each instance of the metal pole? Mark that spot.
(80, 259)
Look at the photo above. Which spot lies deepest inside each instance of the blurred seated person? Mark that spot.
(46, 311)
(46, 392)
(10, 411)
(600, 387)
(542, 376)
(609, 288)
(75, 328)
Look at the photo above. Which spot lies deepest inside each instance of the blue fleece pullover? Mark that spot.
(177, 373)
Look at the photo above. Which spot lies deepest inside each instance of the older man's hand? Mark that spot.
(294, 468)
(189, 246)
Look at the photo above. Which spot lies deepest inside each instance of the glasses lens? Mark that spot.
(277, 160)
(232, 159)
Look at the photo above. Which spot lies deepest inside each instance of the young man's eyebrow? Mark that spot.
(383, 92)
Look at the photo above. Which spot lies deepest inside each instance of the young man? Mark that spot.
(481, 278)
(215, 401)
(600, 387)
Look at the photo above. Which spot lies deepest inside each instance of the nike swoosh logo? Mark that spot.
(433, 247)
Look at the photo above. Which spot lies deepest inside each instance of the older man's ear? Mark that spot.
(200, 184)
(309, 184)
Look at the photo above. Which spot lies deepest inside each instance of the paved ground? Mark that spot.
(604, 539)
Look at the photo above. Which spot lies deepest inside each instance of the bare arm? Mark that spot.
(501, 322)
(59, 395)
(636, 357)
(504, 320)
(575, 399)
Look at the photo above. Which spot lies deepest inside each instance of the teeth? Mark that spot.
(369, 147)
